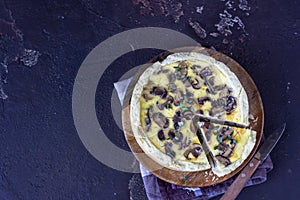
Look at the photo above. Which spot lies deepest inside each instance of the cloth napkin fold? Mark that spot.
(157, 189)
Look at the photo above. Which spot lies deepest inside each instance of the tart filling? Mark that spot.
(167, 97)
(230, 146)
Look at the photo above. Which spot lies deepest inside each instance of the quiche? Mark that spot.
(230, 146)
(166, 98)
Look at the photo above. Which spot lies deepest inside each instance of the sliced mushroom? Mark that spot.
(190, 97)
(210, 89)
(186, 154)
(189, 94)
(169, 151)
(226, 150)
(205, 72)
(227, 153)
(224, 92)
(201, 112)
(172, 77)
(227, 134)
(148, 123)
(220, 87)
(148, 118)
(176, 126)
(195, 84)
(183, 75)
(164, 104)
(187, 81)
(219, 102)
(183, 65)
(175, 136)
(183, 143)
(159, 91)
(207, 81)
(230, 104)
(171, 134)
(188, 114)
(190, 101)
(172, 87)
(196, 68)
(161, 135)
(150, 112)
(170, 99)
(188, 142)
(202, 100)
(178, 119)
(225, 161)
(166, 124)
(161, 120)
(178, 98)
(222, 146)
(216, 111)
(160, 106)
(211, 81)
(195, 150)
(185, 78)
(178, 113)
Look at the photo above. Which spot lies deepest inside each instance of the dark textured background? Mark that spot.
(43, 43)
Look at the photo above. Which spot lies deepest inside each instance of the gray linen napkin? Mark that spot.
(158, 189)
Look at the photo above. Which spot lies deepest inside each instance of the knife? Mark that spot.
(219, 121)
(209, 155)
(236, 187)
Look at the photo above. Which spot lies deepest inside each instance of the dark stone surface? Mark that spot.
(137, 188)
(42, 156)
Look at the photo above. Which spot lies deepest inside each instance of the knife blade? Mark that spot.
(269, 144)
(239, 183)
(204, 145)
(219, 121)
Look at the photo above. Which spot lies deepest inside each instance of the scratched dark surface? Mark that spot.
(42, 45)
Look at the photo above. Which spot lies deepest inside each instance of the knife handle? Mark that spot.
(239, 183)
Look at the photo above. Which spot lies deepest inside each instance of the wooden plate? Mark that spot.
(198, 178)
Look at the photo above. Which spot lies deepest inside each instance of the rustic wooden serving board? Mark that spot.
(199, 178)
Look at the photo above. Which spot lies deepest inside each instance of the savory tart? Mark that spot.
(170, 93)
(230, 146)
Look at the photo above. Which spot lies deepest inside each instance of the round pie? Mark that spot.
(170, 94)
